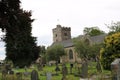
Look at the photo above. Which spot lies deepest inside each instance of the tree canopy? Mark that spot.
(82, 48)
(93, 31)
(114, 27)
(55, 52)
(21, 47)
(86, 49)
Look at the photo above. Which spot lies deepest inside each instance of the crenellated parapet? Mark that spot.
(63, 28)
(61, 33)
(66, 28)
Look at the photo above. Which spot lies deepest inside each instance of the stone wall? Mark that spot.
(67, 59)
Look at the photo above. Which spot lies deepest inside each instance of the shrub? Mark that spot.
(111, 50)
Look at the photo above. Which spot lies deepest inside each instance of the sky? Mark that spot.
(76, 14)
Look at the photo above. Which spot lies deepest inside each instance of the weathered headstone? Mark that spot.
(34, 75)
(57, 69)
(79, 67)
(84, 70)
(48, 75)
(17, 67)
(32, 66)
(6, 70)
(64, 71)
(19, 75)
(71, 66)
(11, 72)
(39, 63)
(26, 74)
(7, 67)
(98, 66)
(40, 67)
(115, 69)
(4, 73)
(25, 68)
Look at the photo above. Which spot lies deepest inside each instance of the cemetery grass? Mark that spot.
(51, 69)
(99, 76)
(42, 74)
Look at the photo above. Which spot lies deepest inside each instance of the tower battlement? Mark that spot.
(61, 33)
(66, 28)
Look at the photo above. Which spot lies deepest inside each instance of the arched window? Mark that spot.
(70, 54)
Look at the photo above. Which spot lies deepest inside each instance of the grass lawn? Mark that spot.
(51, 69)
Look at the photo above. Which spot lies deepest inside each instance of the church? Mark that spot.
(62, 36)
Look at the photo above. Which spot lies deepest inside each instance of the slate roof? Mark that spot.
(98, 39)
(65, 43)
(69, 43)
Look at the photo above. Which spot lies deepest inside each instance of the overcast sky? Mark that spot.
(76, 14)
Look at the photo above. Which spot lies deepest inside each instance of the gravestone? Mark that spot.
(48, 75)
(64, 71)
(84, 69)
(17, 67)
(39, 64)
(71, 66)
(19, 75)
(79, 68)
(40, 67)
(7, 68)
(26, 74)
(32, 66)
(34, 75)
(57, 69)
(4, 73)
(115, 69)
(98, 66)
(11, 72)
(25, 68)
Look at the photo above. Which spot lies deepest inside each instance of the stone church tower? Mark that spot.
(61, 33)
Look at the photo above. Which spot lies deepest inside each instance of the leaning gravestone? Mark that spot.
(115, 69)
(48, 75)
(34, 75)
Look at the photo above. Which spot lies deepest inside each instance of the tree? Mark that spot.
(21, 47)
(55, 52)
(86, 50)
(42, 50)
(93, 31)
(114, 27)
(82, 47)
(110, 50)
(95, 50)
